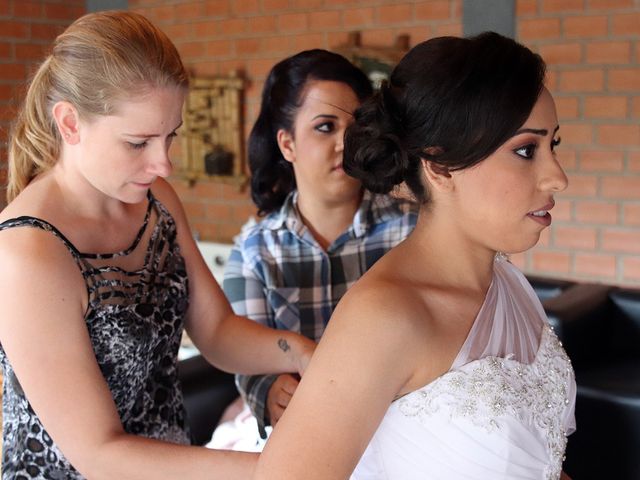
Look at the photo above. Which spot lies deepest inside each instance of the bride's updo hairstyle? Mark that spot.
(450, 100)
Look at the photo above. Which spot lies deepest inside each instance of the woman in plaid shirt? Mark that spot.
(321, 230)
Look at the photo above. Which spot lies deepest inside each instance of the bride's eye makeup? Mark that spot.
(527, 151)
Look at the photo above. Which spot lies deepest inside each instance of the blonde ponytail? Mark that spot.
(34, 143)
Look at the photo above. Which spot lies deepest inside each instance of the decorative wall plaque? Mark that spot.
(212, 135)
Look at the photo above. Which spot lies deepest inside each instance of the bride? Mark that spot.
(439, 362)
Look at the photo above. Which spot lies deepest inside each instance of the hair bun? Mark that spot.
(373, 152)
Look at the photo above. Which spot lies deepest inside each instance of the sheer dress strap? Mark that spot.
(509, 323)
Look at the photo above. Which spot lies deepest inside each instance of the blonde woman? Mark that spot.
(100, 273)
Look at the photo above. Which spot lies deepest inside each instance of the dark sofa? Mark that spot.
(207, 393)
(600, 329)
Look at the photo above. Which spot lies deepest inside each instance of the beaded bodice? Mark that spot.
(492, 392)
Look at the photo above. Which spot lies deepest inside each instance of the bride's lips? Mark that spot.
(542, 215)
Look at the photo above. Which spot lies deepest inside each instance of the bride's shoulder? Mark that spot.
(385, 302)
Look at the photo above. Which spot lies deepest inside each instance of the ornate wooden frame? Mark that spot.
(212, 135)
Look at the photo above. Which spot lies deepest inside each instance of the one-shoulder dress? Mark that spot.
(502, 411)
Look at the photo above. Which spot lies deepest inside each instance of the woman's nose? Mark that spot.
(160, 164)
(554, 179)
(340, 142)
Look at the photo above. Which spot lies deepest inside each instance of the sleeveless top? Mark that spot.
(135, 322)
(502, 411)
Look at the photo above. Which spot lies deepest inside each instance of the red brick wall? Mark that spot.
(593, 53)
(592, 48)
(26, 30)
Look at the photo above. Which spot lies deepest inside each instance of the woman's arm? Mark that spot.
(364, 359)
(45, 338)
(230, 342)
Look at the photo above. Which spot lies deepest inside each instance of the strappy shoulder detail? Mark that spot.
(27, 221)
(509, 322)
(35, 222)
(137, 302)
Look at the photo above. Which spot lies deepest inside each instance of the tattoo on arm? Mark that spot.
(284, 346)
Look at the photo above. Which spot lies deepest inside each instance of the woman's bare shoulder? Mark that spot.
(29, 246)
(386, 303)
(37, 268)
(33, 231)
(33, 202)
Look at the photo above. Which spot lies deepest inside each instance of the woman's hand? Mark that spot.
(279, 396)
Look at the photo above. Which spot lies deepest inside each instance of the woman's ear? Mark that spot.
(287, 145)
(67, 120)
(437, 175)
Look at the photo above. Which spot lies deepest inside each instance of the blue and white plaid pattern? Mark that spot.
(278, 275)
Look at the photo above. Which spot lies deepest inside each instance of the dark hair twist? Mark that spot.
(450, 100)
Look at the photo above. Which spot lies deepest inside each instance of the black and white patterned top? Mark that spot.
(135, 322)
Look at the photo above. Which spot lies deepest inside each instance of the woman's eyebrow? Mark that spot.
(541, 131)
(151, 135)
(325, 115)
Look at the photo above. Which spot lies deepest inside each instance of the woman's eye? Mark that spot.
(526, 151)
(137, 146)
(326, 127)
(171, 137)
(555, 142)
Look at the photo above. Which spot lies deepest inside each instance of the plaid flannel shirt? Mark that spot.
(278, 274)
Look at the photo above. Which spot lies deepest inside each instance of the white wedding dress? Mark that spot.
(503, 410)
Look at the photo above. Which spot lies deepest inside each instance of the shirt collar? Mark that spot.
(286, 215)
(362, 219)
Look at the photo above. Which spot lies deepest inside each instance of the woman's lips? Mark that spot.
(543, 217)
